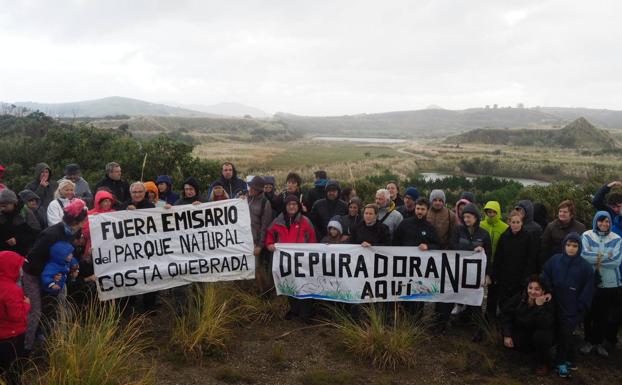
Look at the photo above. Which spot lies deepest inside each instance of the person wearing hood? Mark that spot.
(387, 212)
(64, 196)
(326, 209)
(493, 224)
(165, 190)
(218, 192)
(407, 209)
(291, 226)
(526, 208)
(318, 191)
(613, 205)
(43, 185)
(293, 186)
(540, 215)
(153, 194)
(458, 209)
(470, 236)
(32, 203)
(190, 194)
(601, 248)
(334, 233)
(139, 199)
(54, 277)
(394, 192)
(14, 309)
(82, 189)
(570, 279)
(515, 259)
(353, 218)
(18, 227)
(269, 191)
(557, 230)
(441, 217)
(370, 231)
(112, 181)
(74, 218)
(230, 181)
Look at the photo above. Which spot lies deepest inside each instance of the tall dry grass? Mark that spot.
(94, 346)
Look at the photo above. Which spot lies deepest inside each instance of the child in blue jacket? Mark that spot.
(60, 265)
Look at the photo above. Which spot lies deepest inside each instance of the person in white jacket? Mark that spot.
(64, 195)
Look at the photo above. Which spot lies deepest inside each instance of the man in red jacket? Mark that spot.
(14, 308)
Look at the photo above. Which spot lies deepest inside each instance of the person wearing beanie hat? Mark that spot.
(394, 192)
(318, 191)
(74, 218)
(153, 194)
(82, 189)
(165, 190)
(470, 236)
(602, 250)
(325, 209)
(468, 196)
(32, 203)
(43, 185)
(353, 218)
(18, 227)
(64, 196)
(408, 208)
(333, 235)
(218, 192)
(291, 226)
(191, 193)
(571, 281)
(441, 217)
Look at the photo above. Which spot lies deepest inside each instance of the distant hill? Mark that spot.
(228, 109)
(110, 106)
(578, 134)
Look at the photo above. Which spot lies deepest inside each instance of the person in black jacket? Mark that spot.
(112, 181)
(416, 230)
(293, 182)
(190, 194)
(18, 225)
(138, 199)
(43, 185)
(319, 189)
(370, 232)
(516, 259)
(326, 209)
(352, 219)
(470, 236)
(527, 321)
(74, 217)
(230, 181)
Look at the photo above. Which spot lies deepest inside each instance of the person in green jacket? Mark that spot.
(495, 226)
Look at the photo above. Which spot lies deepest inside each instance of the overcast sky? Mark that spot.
(315, 57)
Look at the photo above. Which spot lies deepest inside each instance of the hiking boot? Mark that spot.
(586, 348)
(601, 351)
(542, 371)
(562, 371)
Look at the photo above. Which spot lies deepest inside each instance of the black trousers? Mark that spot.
(537, 341)
(566, 345)
(11, 354)
(602, 321)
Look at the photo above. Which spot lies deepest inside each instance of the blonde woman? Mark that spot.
(63, 196)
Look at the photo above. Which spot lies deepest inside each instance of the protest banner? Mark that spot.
(139, 251)
(356, 274)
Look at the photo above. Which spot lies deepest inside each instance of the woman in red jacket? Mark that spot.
(14, 308)
(292, 227)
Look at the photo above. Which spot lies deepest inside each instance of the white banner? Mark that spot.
(356, 274)
(139, 251)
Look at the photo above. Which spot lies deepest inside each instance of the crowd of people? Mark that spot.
(544, 280)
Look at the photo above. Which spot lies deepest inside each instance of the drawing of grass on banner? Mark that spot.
(435, 288)
(338, 293)
(287, 287)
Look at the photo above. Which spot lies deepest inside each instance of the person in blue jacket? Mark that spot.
(570, 279)
(165, 189)
(601, 249)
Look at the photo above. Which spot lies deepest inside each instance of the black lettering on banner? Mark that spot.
(381, 289)
(367, 291)
(415, 263)
(361, 267)
(105, 230)
(447, 273)
(285, 257)
(465, 268)
(377, 260)
(399, 261)
(298, 265)
(344, 264)
(166, 223)
(215, 263)
(325, 272)
(314, 259)
(431, 269)
(244, 263)
(101, 280)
